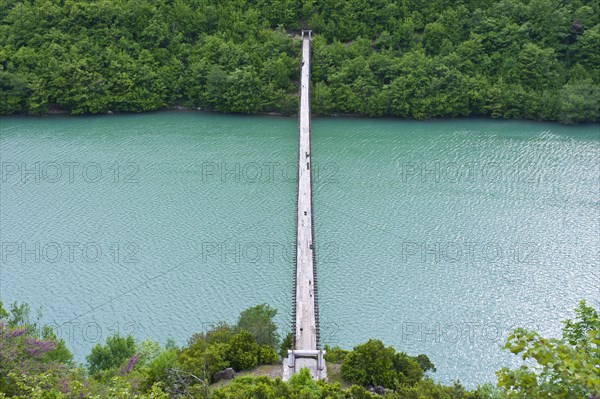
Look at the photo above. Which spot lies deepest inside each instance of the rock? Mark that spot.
(379, 390)
(226, 374)
(109, 112)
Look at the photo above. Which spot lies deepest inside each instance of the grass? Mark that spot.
(270, 370)
(275, 370)
(334, 374)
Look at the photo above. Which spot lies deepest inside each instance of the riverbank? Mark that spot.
(182, 109)
(37, 364)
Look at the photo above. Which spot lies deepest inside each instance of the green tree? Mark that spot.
(588, 49)
(116, 350)
(409, 371)
(371, 363)
(61, 353)
(580, 101)
(335, 354)
(425, 364)
(564, 367)
(3, 312)
(267, 355)
(258, 321)
(243, 351)
(286, 344)
(302, 383)
(202, 359)
(156, 370)
(220, 333)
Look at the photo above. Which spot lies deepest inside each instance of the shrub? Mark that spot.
(243, 351)
(335, 354)
(267, 355)
(258, 321)
(286, 345)
(370, 363)
(111, 355)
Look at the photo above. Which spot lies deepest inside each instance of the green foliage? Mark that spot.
(301, 386)
(243, 351)
(424, 362)
(147, 350)
(557, 368)
(194, 359)
(303, 383)
(565, 368)
(370, 363)
(111, 355)
(155, 370)
(286, 344)
(258, 320)
(335, 354)
(512, 58)
(409, 371)
(3, 313)
(20, 315)
(267, 355)
(224, 346)
(580, 102)
(220, 333)
(60, 353)
(250, 388)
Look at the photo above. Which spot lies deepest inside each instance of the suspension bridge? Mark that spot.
(306, 348)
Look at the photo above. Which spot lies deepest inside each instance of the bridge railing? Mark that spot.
(294, 289)
(312, 227)
(313, 236)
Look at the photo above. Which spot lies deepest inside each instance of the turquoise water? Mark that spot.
(437, 237)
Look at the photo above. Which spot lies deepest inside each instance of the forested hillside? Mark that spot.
(537, 59)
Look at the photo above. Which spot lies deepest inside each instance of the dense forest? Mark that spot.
(533, 59)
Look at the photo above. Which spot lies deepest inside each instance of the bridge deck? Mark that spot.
(306, 351)
(305, 301)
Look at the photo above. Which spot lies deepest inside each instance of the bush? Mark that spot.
(303, 383)
(370, 363)
(111, 355)
(425, 364)
(200, 357)
(286, 345)
(221, 333)
(409, 371)
(243, 351)
(258, 320)
(566, 367)
(267, 355)
(335, 354)
(156, 369)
